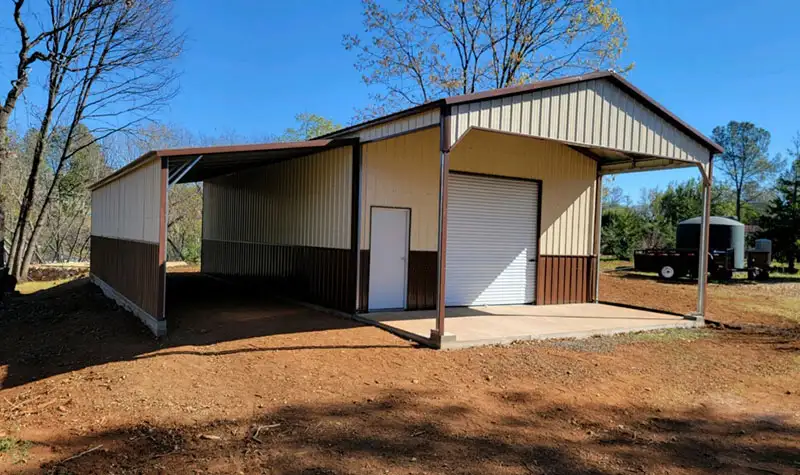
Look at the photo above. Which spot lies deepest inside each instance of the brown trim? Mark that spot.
(598, 223)
(355, 224)
(626, 86)
(317, 275)
(162, 239)
(208, 153)
(363, 284)
(132, 269)
(441, 265)
(565, 279)
(421, 294)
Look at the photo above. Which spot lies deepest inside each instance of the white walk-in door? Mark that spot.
(491, 240)
(388, 258)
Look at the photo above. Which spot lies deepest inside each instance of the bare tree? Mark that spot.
(111, 69)
(431, 48)
(29, 53)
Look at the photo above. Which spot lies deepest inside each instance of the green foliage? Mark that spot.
(623, 232)
(745, 165)
(653, 222)
(781, 222)
(309, 126)
(185, 222)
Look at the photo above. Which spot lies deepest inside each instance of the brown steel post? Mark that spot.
(162, 240)
(702, 278)
(598, 223)
(444, 170)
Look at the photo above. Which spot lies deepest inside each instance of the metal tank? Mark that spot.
(726, 233)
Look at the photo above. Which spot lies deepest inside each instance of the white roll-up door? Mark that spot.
(491, 240)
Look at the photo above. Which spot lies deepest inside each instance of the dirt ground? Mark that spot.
(235, 388)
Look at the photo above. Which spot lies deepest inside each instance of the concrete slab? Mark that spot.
(477, 326)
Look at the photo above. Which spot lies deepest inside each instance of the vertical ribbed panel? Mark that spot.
(130, 207)
(404, 172)
(402, 125)
(568, 181)
(286, 226)
(299, 202)
(491, 240)
(595, 113)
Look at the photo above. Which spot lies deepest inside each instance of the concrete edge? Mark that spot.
(158, 327)
(573, 334)
(396, 331)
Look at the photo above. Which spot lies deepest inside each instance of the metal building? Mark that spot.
(485, 199)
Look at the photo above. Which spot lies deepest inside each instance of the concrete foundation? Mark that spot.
(479, 326)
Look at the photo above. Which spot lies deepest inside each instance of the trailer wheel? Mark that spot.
(668, 272)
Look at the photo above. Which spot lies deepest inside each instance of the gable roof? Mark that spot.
(615, 78)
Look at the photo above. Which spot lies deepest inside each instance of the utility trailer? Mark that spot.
(727, 254)
(672, 264)
(676, 263)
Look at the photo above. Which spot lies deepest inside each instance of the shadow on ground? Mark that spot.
(73, 326)
(414, 432)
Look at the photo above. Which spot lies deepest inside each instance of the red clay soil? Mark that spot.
(249, 384)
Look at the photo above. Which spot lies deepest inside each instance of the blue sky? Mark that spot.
(251, 65)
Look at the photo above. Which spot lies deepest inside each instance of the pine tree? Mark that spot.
(781, 222)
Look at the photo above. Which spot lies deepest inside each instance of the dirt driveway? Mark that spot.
(296, 391)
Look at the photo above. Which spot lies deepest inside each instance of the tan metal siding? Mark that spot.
(595, 113)
(300, 202)
(400, 126)
(568, 181)
(404, 172)
(130, 207)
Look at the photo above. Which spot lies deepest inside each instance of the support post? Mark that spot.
(598, 224)
(437, 334)
(705, 231)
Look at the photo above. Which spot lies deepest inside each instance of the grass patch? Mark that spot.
(668, 335)
(607, 343)
(27, 288)
(15, 448)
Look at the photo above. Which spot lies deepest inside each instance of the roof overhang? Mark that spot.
(217, 161)
(619, 81)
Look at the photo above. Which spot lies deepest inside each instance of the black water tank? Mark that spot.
(725, 234)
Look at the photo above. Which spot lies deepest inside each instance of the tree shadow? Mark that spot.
(414, 432)
(74, 326)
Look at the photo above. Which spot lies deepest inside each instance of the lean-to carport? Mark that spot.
(130, 215)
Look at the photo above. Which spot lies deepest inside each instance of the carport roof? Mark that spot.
(223, 160)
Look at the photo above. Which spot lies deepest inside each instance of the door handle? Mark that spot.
(532, 260)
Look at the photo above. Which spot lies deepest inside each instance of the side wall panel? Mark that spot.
(287, 224)
(566, 241)
(126, 254)
(403, 172)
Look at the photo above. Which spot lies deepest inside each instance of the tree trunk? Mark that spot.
(739, 204)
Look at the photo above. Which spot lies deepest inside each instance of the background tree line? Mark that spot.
(749, 185)
(93, 74)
